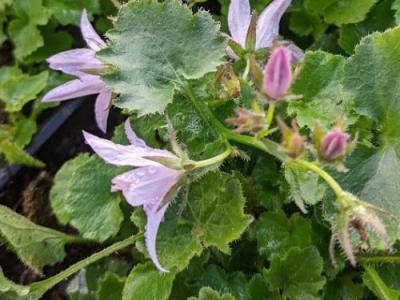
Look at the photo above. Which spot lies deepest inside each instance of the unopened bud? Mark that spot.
(334, 144)
(247, 121)
(292, 141)
(278, 73)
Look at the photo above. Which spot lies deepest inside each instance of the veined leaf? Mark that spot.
(155, 47)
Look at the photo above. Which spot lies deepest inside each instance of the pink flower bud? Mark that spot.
(278, 73)
(334, 144)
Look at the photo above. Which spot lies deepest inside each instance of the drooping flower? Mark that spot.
(334, 144)
(150, 185)
(82, 63)
(278, 73)
(239, 18)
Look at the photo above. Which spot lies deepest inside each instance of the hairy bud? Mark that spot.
(247, 121)
(334, 144)
(278, 73)
(292, 141)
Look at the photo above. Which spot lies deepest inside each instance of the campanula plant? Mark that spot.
(246, 168)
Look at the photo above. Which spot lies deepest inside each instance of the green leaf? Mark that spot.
(345, 12)
(320, 84)
(82, 196)
(304, 23)
(372, 280)
(23, 29)
(13, 152)
(156, 47)
(372, 79)
(343, 287)
(213, 217)
(380, 18)
(396, 8)
(68, 12)
(276, 233)
(145, 282)
(19, 90)
(305, 187)
(110, 287)
(207, 293)
(257, 289)
(35, 245)
(297, 274)
(225, 283)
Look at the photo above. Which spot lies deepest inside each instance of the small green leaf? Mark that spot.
(320, 84)
(19, 90)
(145, 282)
(35, 245)
(68, 12)
(343, 287)
(214, 216)
(82, 196)
(156, 47)
(345, 12)
(23, 29)
(207, 293)
(297, 274)
(276, 233)
(110, 287)
(305, 186)
(257, 289)
(372, 280)
(14, 153)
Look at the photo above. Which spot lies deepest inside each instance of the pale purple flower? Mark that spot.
(149, 185)
(239, 18)
(334, 144)
(278, 73)
(82, 63)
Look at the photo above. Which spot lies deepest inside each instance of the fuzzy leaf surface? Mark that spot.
(214, 216)
(156, 47)
(82, 196)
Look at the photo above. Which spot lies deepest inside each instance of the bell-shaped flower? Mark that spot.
(334, 144)
(83, 64)
(267, 29)
(278, 73)
(151, 185)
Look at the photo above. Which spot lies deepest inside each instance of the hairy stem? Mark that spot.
(270, 115)
(52, 281)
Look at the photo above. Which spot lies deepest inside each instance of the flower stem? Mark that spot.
(246, 70)
(214, 160)
(52, 281)
(323, 174)
(270, 115)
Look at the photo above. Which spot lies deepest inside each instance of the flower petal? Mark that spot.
(90, 36)
(75, 61)
(102, 108)
(146, 185)
(268, 22)
(132, 137)
(86, 85)
(154, 218)
(122, 155)
(239, 18)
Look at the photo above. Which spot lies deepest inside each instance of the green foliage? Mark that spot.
(276, 234)
(372, 280)
(145, 282)
(167, 44)
(213, 217)
(82, 196)
(207, 293)
(297, 274)
(35, 245)
(320, 84)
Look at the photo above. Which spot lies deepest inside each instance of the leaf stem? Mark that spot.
(52, 281)
(270, 115)
(246, 70)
